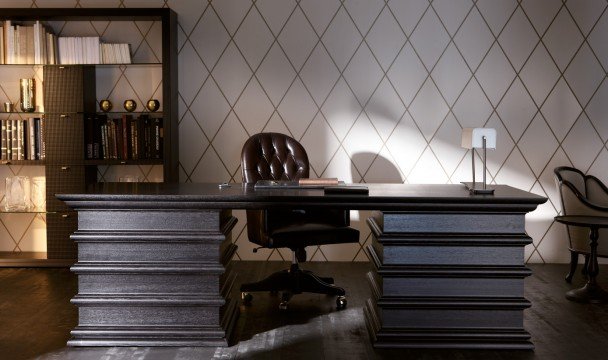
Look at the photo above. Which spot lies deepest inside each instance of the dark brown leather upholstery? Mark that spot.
(274, 156)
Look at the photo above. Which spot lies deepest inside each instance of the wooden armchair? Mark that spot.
(582, 195)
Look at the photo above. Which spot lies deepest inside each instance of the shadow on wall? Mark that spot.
(382, 171)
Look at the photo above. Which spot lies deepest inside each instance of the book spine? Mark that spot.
(17, 44)
(38, 140)
(134, 139)
(106, 147)
(109, 132)
(131, 140)
(89, 137)
(31, 139)
(22, 140)
(30, 40)
(104, 144)
(147, 138)
(157, 147)
(19, 139)
(140, 137)
(95, 139)
(42, 138)
(125, 136)
(9, 139)
(117, 136)
(3, 141)
(14, 141)
(2, 45)
(9, 40)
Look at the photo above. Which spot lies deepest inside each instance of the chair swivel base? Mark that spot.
(295, 281)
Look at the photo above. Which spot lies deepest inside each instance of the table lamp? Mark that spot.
(478, 138)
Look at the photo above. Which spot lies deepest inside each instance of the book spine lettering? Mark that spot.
(3, 141)
(42, 138)
(14, 141)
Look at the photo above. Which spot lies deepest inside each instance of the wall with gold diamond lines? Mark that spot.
(377, 91)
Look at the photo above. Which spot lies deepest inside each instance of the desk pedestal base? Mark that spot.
(154, 278)
(447, 280)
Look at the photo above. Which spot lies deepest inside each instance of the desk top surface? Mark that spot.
(209, 195)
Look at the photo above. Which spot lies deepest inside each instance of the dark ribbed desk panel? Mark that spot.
(158, 278)
(448, 280)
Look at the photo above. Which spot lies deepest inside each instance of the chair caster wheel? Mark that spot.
(247, 298)
(341, 302)
(285, 297)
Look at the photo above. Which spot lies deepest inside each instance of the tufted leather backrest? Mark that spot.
(273, 156)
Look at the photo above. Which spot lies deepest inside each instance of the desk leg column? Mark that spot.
(154, 278)
(447, 280)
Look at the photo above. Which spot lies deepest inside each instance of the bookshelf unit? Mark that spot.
(69, 99)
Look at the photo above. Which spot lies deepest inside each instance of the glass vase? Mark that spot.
(17, 193)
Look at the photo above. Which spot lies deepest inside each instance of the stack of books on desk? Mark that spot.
(319, 183)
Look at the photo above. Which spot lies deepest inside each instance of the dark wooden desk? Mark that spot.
(154, 263)
(591, 292)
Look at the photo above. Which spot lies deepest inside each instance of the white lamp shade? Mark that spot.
(472, 138)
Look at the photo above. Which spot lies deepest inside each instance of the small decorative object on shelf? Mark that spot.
(8, 107)
(27, 95)
(38, 193)
(105, 105)
(128, 178)
(130, 105)
(17, 193)
(153, 105)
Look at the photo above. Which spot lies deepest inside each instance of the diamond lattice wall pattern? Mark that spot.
(378, 91)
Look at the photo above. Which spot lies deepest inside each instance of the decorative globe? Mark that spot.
(130, 105)
(105, 105)
(153, 105)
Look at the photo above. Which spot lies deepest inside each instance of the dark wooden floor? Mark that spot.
(36, 316)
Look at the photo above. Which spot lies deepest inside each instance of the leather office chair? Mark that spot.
(274, 156)
(582, 195)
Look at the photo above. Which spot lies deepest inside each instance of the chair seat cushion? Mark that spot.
(302, 235)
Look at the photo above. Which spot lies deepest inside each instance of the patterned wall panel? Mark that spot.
(378, 91)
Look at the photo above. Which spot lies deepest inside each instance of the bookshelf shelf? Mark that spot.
(2, 211)
(80, 112)
(96, 65)
(21, 112)
(22, 162)
(124, 162)
(130, 112)
(70, 100)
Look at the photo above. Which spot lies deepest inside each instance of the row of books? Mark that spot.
(124, 138)
(90, 50)
(36, 44)
(22, 139)
(27, 44)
